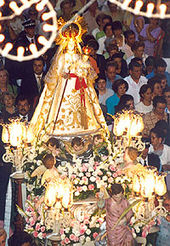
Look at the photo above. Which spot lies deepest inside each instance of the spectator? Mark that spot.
(138, 51)
(163, 81)
(90, 16)
(158, 113)
(145, 104)
(129, 42)
(21, 238)
(104, 92)
(165, 127)
(112, 49)
(94, 46)
(167, 97)
(121, 64)
(120, 87)
(5, 86)
(137, 25)
(111, 76)
(149, 35)
(126, 103)
(157, 147)
(118, 34)
(108, 30)
(160, 68)
(106, 19)
(149, 64)
(99, 29)
(135, 80)
(23, 108)
(3, 236)
(155, 85)
(32, 84)
(66, 10)
(9, 109)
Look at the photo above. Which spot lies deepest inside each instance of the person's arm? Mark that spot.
(151, 38)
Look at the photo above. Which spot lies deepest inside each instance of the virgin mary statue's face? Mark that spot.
(71, 45)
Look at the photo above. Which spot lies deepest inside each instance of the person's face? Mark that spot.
(111, 73)
(153, 22)
(2, 240)
(160, 108)
(157, 90)
(38, 67)
(161, 70)
(113, 51)
(105, 21)
(23, 107)
(97, 141)
(148, 95)
(149, 69)
(139, 52)
(3, 77)
(155, 141)
(112, 7)
(130, 40)
(136, 72)
(49, 163)
(167, 97)
(145, 153)
(78, 148)
(119, 62)
(130, 104)
(8, 101)
(118, 198)
(30, 31)
(92, 51)
(163, 83)
(108, 31)
(117, 32)
(101, 85)
(121, 90)
(166, 204)
(33, 15)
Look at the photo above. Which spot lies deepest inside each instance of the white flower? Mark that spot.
(97, 225)
(91, 169)
(40, 235)
(88, 239)
(104, 178)
(77, 193)
(75, 181)
(82, 239)
(92, 179)
(118, 179)
(63, 236)
(81, 182)
(39, 162)
(84, 188)
(88, 231)
(67, 229)
(81, 174)
(133, 220)
(109, 174)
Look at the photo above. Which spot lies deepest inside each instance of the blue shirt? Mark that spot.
(152, 74)
(111, 102)
(109, 83)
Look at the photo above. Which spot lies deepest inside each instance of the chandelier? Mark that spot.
(147, 8)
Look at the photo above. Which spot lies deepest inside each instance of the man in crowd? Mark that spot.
(129, 42)
(157, 114)
(23, 108)
(111, 75)
(138, 51)
(135, 80)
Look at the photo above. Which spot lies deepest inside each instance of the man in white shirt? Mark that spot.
(135, 80)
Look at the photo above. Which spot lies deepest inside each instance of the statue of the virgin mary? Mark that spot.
(68, 105)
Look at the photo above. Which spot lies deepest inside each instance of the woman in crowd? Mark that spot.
(155, 85)
(5, 86)
(145, 105)
(126, 103)
(120, 87)
(9, 109)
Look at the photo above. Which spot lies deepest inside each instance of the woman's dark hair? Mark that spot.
(143, 89)
(117, 25)
(154, 160)
(78, 141)
(158, 132)
(118, 83)
(19, 238)
(93, 44)
(107, 24)
(116, 189)
(123, 102)
(151, 82)
(150, 61)
(158, 99)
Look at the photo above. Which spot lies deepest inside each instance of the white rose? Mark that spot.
(109, 174)
(82, 239)
(81, 182)
(81, 174)
(67, 229)
(88, 232)
(104, 178)
(63, 236)
(77, 193)
(40, 235)
(91, 169)
(97, 225)
(118, 179)
(88, 239)
(92, 179)
(75, 181)
(84, 188)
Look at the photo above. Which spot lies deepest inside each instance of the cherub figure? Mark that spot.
(99, 146)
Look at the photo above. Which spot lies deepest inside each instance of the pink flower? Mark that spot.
(63, 242)
(112, 168)
(91, 187)
(42, 228)
(32, 221)
(44, 235)
(95, 234)
(82, 231)
(61, 231)
(115, 175)
(85, 179)
(35, 234)
(110, 180)
(67, 241)
(73, 176)
(37, 227)
(98, 178)
(86, 221)
(84, 168)
(100, 173)
(72, 237)
(79, 188)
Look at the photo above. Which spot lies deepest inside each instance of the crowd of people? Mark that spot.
(125, 51)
